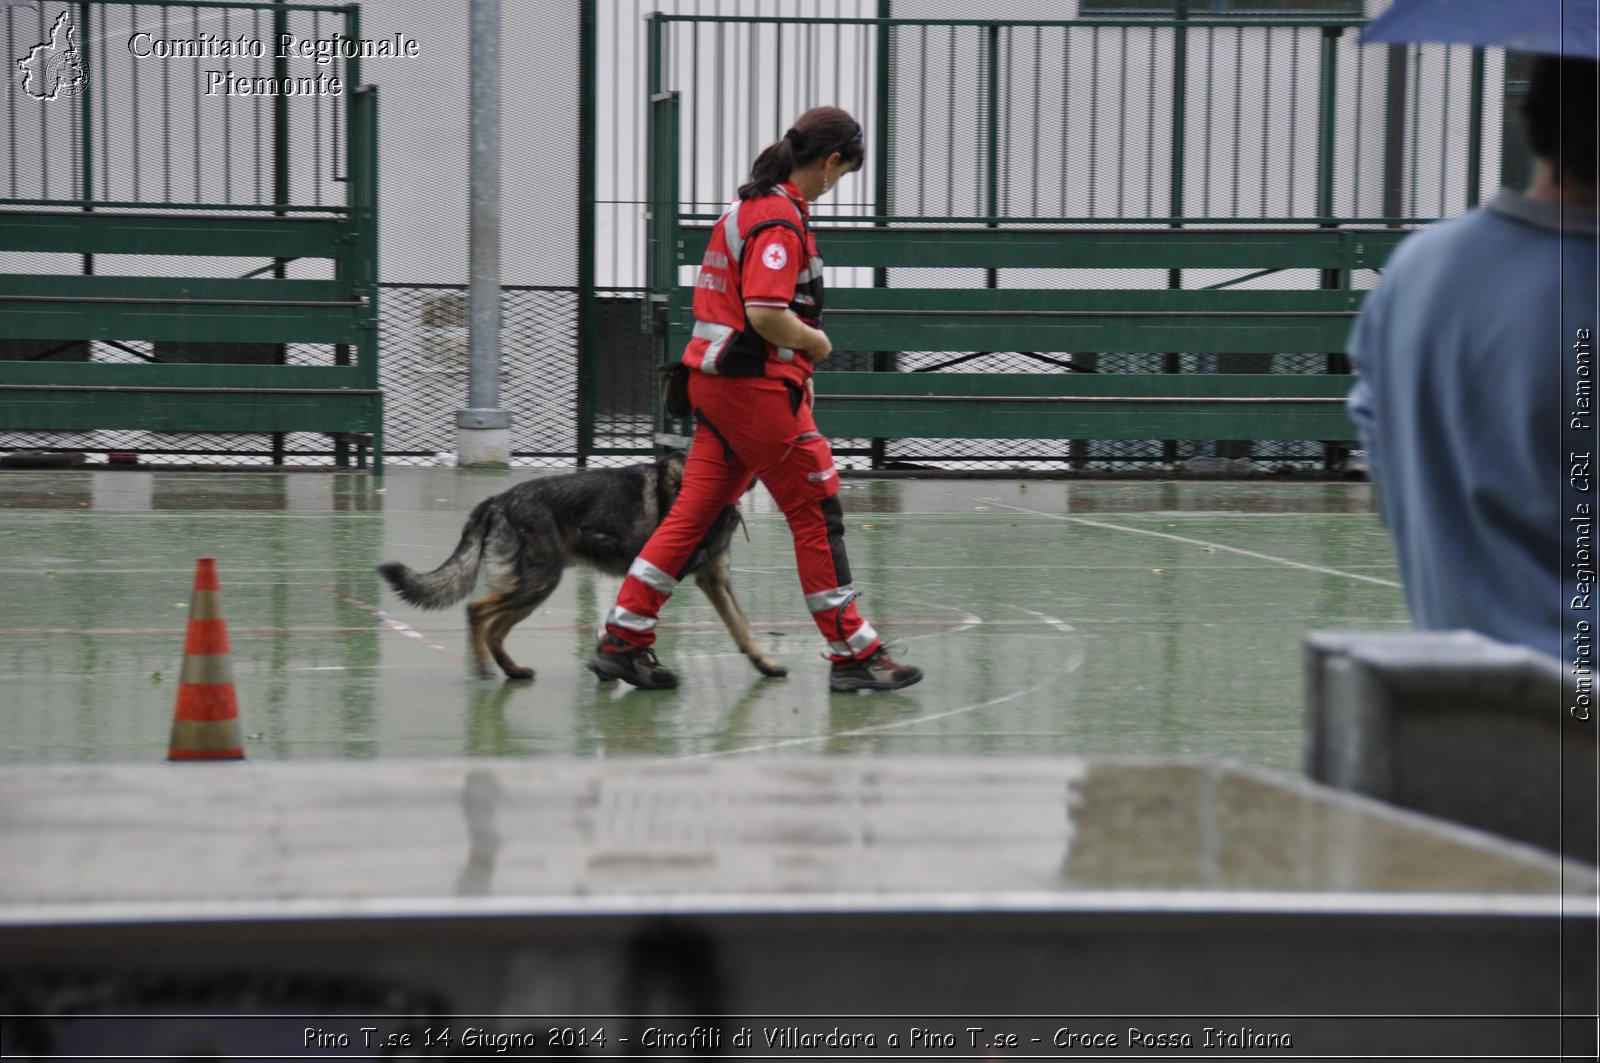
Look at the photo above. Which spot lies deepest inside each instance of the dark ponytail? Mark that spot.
(771, 168)
(819, 132)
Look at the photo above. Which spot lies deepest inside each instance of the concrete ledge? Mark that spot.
(1106, 887)
(1457, 725)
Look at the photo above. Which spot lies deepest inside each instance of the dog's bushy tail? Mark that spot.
(451, 581)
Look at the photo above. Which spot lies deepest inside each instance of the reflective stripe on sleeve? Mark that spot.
(730, 232)
(717, 338)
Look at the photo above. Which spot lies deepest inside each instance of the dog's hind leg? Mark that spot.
(480, 611)
(516, 594)
(500, 625)
(716, 581)
(490, 619)
(523, 559)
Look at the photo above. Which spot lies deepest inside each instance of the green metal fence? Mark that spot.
(191, 192)
(1103, 241)
(1079, 179)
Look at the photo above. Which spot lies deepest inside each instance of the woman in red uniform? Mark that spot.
(757, 336)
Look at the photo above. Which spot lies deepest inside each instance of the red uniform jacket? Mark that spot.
(761, 253)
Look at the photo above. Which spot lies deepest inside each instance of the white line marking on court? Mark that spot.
(1213, 514)
(390, 622)
(856, 732)
(1195, 542)
(923, 515)
(963, 621)
(1070, 663)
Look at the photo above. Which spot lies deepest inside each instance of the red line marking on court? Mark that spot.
(759, 626)
(336, 629)
(178, 632)
(388, 621)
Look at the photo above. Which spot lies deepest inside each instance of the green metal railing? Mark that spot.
(169, 163)
(1160, 120)
(149, 130)
(1173, 124)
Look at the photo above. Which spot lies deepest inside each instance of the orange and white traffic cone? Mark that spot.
(205, 725)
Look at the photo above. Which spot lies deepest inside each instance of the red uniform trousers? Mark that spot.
(748, 426)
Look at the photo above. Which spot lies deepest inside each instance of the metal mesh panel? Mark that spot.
(424, 373)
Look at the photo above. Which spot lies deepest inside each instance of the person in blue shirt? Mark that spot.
(1474, 400)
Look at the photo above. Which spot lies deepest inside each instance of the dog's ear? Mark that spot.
(675, 463)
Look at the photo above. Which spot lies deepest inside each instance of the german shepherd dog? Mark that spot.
(527, 535)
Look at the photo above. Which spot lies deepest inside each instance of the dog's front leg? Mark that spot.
(714, 579)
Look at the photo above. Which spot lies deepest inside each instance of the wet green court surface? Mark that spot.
(1052, 618)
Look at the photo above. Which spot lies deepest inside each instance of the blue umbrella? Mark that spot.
(1549, 27)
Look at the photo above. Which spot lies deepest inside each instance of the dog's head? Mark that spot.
(669, 469)
(668, 478)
